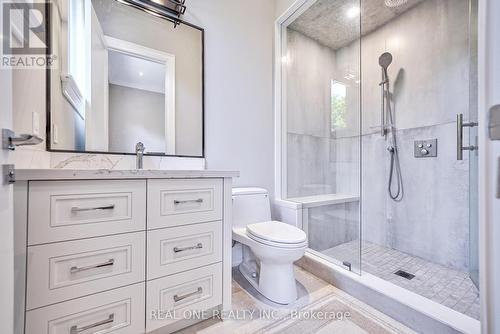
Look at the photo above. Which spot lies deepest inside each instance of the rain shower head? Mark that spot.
(395, 3)
(385, 60)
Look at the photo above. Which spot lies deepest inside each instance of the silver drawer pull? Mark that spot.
(105, 207)
(199, 200)
(108, 263)
(182, 249)
(75, 330)
(178, 298)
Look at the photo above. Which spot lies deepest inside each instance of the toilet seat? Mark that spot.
(277, 234)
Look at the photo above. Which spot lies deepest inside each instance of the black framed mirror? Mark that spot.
(126, 74)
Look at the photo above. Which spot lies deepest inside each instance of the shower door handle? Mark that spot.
(460, 136)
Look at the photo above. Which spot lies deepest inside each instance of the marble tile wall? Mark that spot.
(309, 167)
(430, 67)
(432, 221)
(114, 161)
(28, 158)
(310, 171)
(430, 76)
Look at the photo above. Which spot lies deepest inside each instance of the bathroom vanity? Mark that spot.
(120, 251)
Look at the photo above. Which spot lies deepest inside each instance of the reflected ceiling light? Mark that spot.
(349, 76)
(141, 74)
(353, 12)
(395, 3)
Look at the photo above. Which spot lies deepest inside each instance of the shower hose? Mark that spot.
(395, 167)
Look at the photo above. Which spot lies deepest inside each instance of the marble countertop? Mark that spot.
(95, 174)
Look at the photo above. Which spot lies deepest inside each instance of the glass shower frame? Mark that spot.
(307, 206)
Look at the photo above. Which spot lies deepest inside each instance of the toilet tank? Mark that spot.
(250, 205)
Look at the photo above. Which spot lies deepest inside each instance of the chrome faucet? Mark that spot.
(139, 151)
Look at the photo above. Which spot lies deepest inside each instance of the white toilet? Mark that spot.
(269, 247)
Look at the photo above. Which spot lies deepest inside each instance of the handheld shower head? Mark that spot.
(385, 60)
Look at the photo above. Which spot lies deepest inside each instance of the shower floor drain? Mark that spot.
(404, 274)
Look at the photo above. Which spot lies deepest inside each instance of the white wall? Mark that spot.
(281, 6)
(127, 126)
(238, 86)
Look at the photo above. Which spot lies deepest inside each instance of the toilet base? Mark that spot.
(274, 281)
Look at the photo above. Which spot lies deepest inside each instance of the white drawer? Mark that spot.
(119, 311)
(175, 249)
(65, 210)
(169, 297)
(66, 270)
(183, 201)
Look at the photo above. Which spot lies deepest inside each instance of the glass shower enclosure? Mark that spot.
(372, 147)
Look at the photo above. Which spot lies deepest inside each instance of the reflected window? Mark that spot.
(338, 106)
(76, 41)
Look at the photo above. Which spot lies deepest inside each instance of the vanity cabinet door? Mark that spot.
(66, 210)
(65, 270)
(119, 311)
(175, 249)
(183, 201)
(171, 298)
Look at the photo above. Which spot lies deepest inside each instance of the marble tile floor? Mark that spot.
(446, 286)
(315, 297)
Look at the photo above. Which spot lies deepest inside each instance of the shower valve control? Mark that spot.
(425, 148)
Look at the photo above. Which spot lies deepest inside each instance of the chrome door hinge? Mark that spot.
(9, 174)
(498, 178)
(494, 122)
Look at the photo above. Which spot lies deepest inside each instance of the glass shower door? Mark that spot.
(321, 101)
(418, 69)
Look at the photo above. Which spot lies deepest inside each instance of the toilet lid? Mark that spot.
(277, 232)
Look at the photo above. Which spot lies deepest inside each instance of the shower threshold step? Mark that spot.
(415, 311)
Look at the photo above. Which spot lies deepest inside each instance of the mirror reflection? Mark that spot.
(126, 77)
